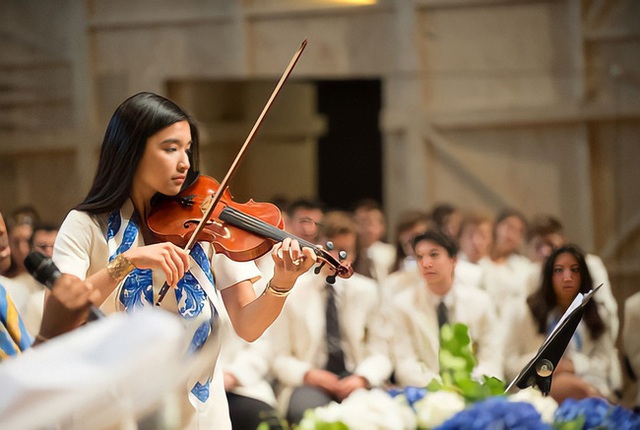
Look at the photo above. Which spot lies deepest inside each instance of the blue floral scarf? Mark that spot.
(192, 290)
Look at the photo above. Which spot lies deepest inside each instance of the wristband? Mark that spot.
(120, 267)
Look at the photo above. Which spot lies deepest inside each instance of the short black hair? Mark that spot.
(42, 226)
(301, 203)
(439, 237)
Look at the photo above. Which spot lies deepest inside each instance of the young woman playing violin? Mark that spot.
(150, 149)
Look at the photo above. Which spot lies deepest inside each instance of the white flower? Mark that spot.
(364, 410)
(545, 406)
(435, 408)
(330, 413)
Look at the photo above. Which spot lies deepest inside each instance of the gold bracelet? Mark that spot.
(120, 267)
(277, 291)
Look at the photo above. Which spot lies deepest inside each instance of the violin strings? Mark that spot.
(257, 226)
(241, 220)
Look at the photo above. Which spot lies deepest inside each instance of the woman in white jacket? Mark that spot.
(584, 368)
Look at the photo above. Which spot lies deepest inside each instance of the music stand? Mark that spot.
(539, 370)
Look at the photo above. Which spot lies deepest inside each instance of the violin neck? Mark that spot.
(257, 226)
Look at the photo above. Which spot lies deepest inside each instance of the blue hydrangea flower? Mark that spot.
(412, 394)
(622, 419)
(593, 409)
(598, 414)
(496, 413)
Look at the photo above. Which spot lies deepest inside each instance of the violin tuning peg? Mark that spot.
(317, 269)
(330, 245)
(331, 279)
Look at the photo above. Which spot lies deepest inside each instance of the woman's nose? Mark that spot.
(184, 164)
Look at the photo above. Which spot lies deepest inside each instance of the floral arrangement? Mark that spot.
(457, 401)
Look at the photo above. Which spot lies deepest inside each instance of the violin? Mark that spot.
(241, 231)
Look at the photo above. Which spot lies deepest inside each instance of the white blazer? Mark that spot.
(298, 335)
(416, 343)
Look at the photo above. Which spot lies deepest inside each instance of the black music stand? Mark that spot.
(539, 370)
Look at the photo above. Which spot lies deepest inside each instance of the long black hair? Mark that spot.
(134, 121)
(543, 300)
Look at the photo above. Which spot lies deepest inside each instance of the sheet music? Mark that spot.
(577, 301)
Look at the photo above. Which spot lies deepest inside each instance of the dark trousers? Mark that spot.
(247, 413)
(303, 398)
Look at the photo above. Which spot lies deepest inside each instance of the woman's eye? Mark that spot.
(557, 270)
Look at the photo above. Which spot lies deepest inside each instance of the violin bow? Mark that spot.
(236, 162)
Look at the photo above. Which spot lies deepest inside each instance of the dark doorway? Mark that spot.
(350, 154)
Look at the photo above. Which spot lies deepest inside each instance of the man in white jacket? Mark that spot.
(299, 335)
(416, 344)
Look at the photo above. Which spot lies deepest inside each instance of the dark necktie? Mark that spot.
(441, 311)
(335, 359)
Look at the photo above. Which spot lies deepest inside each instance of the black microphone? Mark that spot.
(44, 270)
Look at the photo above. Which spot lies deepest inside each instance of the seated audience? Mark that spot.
(71, 299)
(375, 257)
(410, 225)
(20, 228)
(42, 241)
(584, 368)
(419, 313)
(506, 271)
(447, 218)
(546, 234)
(27, 293)
(303, 219)
(328, 339)
(475, 244)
